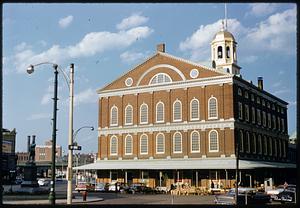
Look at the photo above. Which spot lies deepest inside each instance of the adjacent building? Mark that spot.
(44, 152)
(9, 158)
(171, 120)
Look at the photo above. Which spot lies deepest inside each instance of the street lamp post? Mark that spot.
(52, 189)
(237, 149)
(70, 83)
(75, 144)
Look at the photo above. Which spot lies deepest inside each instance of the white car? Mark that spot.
(274, 192)
(43, 182)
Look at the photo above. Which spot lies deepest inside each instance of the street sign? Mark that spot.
(74, 147)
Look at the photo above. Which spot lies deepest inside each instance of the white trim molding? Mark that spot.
(215, 124)
(160, 66)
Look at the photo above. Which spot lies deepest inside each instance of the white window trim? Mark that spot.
(128, 106)
(240, 110)
(144, 153)
(111, 145)
(158, 153)
(128, 136)
(177, 120)
(212, 97)
(141, 114)
(260, 142)
(156, 75)
(198, 116)
(191, 138)
(254, 141)
(174, 142)
(209, 141)
(248, 150)
(114, 124)
(241, 142)
(156, 121)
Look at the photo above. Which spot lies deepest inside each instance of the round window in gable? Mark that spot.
(128, 81)
(194, 73)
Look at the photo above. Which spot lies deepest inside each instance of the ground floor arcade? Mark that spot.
(208, 173)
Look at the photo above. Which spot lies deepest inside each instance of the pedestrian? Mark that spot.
(285, 185)
(212, 185)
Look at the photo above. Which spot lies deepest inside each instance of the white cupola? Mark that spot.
(223, 52)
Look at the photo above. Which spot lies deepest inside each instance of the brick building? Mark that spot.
(170, 119)
(44, 152)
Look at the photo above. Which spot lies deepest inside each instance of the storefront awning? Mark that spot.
(181, 164)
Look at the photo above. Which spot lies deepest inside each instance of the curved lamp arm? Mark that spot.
(76, 132)
(30, 70)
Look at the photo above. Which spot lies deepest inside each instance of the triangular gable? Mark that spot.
(176, 67)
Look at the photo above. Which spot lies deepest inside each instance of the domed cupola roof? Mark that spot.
(223, 35)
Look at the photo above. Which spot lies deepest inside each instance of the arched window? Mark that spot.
(220, 52)
(144, 144)
(241, 142)
(227, 52)
(177, 110)
(144, 113)
(259, 145)
(212, 108)
(177, 143)
(114, 116)
(213, 141)
(279, 148)
(253, 143)
(113, 145)
(160, 78)
(194, 109)
(160, 143)
(128, 115)
(160, 112)
(128, 145)
(195, 141)
(265, 145)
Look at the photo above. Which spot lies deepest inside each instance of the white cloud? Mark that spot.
(261, 9)
(38, 116)
(277, 84)
(86, 96)
(197, 44)
(22, 46)
(277, 33)
(66, 21)
(132, 21)
(46, 98)
(91, 44)
(131, 57)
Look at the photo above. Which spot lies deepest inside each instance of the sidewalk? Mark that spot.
(77, 200)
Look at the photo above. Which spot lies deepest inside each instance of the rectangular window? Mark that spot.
(264, 119)
(269, 120)
(240, 110)
(258, 117)
(284, 150)
(253, 115)
(265, 146)
(282, 125)
(246, 112)
(278, 123)
(274, 121)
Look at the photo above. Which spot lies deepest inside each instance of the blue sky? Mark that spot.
(106, 40)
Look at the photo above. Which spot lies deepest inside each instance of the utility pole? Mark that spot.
(70, 151)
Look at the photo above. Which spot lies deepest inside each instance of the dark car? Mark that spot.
(139, 188)
(287, 196)
(245, 196)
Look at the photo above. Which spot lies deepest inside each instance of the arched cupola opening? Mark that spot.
(220, 52)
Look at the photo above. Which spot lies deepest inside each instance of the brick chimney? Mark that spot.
(161, 47)
(260, 83)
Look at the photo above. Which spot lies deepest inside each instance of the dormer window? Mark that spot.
(160, 78)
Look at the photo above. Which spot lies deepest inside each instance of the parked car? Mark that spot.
(43, 182)
(101, 187)
(249, 194)
(84, 186)
(139, 188)
(274, 192)
(286, 196)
